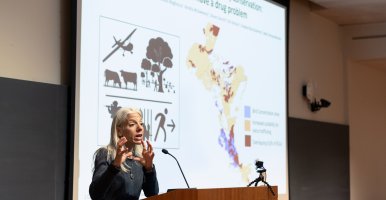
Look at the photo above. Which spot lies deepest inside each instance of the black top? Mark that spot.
(108, 182)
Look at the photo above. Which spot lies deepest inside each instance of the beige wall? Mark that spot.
(352, 74)
(315, 55)
(367, 132)
(34, 42)
(366, 67)
(360, 44)
(30, 41)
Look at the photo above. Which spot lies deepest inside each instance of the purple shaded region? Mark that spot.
(247, 111)
(229, 146)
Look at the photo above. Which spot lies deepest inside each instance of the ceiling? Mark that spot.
(350, 12)
(353, 12)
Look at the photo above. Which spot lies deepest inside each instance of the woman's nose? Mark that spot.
(139, 127)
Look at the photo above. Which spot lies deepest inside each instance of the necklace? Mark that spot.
(129, 162)
(131, 175)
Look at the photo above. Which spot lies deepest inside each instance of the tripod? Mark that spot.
(261, 178)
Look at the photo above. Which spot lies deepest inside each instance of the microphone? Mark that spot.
(167, 152)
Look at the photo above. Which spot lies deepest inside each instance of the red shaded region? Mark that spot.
(247, 141)
(192, 63)
(229, 94)
(203, 49)
(232, 151)
(215, 77)
(215, 29)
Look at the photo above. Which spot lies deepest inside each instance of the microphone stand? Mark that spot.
(166, 152)
(261, 178)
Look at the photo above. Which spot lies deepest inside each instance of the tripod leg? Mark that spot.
(251, 183)
(258, 180)
(269, 186)
(254, 181)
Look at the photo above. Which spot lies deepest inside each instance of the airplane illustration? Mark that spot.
(118, 44)
(128, 47)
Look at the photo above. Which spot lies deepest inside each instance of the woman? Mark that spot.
(125, 166)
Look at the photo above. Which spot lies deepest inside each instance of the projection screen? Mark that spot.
(209, 77)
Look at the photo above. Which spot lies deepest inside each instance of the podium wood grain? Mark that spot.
(243, 193)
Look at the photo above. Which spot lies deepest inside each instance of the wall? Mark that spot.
(367, 135)
(35, 45)
(319, 161)
(359, 79)
(32, 40)
(351, 72)
(33, 140)
(315, 54)
(364, 42)
(366, 67)
(318, 152)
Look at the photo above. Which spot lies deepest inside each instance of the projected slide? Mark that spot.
(209, 77)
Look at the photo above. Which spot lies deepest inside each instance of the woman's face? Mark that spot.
(132, 129)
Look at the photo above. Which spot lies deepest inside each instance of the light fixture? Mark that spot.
(315, 105)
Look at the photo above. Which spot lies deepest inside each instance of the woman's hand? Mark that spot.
(147, 156)
(122, 153)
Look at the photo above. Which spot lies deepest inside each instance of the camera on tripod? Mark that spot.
(262, 175)
(259, 166)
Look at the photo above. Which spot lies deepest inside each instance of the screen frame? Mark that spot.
(72, 163)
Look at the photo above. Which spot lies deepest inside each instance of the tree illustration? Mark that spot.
(146, 65)
(158, 59)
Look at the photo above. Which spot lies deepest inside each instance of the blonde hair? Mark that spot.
(119, 120)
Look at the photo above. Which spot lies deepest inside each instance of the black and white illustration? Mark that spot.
(139, 67)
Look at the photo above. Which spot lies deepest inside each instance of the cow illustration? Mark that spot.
(111, 75)
(129, 77)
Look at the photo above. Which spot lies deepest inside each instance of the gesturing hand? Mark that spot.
(122, 152)
(147, 156)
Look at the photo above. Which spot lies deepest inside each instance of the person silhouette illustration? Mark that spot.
(161, 124)
(113, 108)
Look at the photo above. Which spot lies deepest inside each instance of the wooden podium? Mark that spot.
(242, 193)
